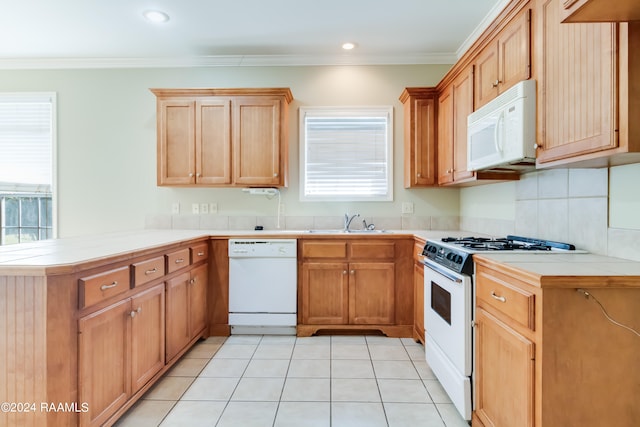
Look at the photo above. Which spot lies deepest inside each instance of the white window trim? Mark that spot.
(54, 142)
(347, 111)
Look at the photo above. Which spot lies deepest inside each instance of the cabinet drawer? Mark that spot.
(99, 287)
(146, 271)
(372, 250)
(324, 249)
(514, 302)
(177, 260)
(199, 252)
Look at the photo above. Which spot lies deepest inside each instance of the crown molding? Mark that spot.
(484, 24)
(225, 61)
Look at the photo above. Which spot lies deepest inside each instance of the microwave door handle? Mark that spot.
(497, 137)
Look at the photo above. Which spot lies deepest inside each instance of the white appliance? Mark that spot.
(502, 133)
(263, 286)
(449, 306)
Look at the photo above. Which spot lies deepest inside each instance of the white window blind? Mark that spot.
(346, 153)
(26, 142)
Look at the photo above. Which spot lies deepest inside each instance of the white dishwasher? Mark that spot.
(263, 283)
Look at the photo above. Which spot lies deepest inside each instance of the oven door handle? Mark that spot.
(443, 272)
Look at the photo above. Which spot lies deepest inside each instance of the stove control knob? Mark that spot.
(458, 259)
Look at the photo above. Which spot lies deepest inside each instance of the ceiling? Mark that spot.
(112, 33)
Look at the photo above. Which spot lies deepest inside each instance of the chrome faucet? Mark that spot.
(347, 221)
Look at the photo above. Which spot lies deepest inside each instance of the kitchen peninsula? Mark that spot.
(71, 304)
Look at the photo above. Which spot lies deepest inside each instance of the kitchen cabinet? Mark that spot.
(222, 137)
(505, 61)
(587, 92)
(185, 309)
(104, 367)
(505, 373)
(355, 284)
(420, 167)
(418, 292)
(455, 104)
(540, 345)
(600, 10)
(121, 347)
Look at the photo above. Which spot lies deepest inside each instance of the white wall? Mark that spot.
(107, 143)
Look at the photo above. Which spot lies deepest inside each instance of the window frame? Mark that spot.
(346, 111)
(26, 191)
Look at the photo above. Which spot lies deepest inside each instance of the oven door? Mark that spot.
(447, 314)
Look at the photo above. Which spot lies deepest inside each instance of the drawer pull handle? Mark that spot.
(179, 261)
(153, 270)
(105, 287)
(499, 298)
(200, 253)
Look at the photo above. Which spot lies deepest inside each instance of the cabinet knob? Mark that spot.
(496, 83)
(536, 146)
(192, 281)
(190, 175)
(353, 272)
(344, 272)
(198, 174)
(419, 175)
(275, 175)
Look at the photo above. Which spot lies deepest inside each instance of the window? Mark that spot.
(346, 153)
(27, 136)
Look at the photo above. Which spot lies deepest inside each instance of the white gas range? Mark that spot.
(449, 306)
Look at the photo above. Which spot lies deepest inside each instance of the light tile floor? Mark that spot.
(282, 381)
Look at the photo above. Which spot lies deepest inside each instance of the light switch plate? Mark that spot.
(195, 208)
(407, 207)
(175, 208)
(213, 208)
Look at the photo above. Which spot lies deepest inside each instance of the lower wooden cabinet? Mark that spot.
(504, 373)
(186, 309)
(120, 349)
(418, 302)
(355, 284)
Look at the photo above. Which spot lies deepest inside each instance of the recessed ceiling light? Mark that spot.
(348, 46)
(155, 16)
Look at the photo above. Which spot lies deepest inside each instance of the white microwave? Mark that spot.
(502, 134)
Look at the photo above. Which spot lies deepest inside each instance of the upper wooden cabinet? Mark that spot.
(505, 61)
(420, 137)
(222, 137)
(600, 10)
(455, 103)
(589, 84)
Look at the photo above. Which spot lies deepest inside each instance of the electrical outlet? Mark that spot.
(195, 208)
(407, 207)
(213, 208)
(204, 208)
(175, 208)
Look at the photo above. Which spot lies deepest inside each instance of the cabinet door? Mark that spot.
(177, 315)
(104, 380)
(486, 75)
(420, 142)
(462, 89)
(578, 100)
(372, 293)
(198, 300)
(213, 141)
(147, 335)
(514, 51)
(445, 136)
(418, 301)
(504, 373)
(600, 11)
(325, 293)
(257, 140)
(176, 157)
